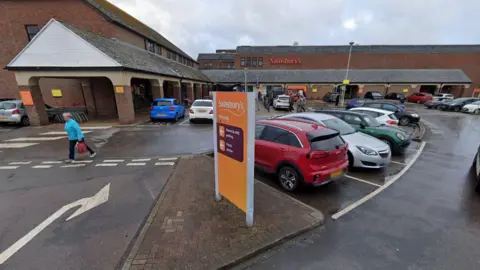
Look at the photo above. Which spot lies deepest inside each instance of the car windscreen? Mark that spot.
(460, 100)
(476, 102)
(328, 143)
(371, 122)
(202, 103)
(339, 125)
(162, 103)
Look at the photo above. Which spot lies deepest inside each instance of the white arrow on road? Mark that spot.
(85, 205)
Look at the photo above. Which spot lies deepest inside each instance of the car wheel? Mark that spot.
(289, 178)
(351, 161)
(456, 109)
(192, 121)
(25, 121)
(404, 121)
(477, 112)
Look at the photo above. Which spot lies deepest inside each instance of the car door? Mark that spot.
(260, 147)
(180, 109)
(413, 97)
(274, 146)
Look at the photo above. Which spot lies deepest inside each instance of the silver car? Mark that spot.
(364, 150)
(13, 111)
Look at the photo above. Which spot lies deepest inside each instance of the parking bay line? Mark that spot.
(398, 162)
(363, 181)
(354, 205)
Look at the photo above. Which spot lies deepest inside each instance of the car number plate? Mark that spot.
(4, 118)
(201, 111)
(337, 173)
(160, 114)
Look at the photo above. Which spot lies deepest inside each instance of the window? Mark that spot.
(149, 46)
(32, 30)
(281, 136)
(254, 62)
(7, 105)
(175, 102)
(260, 61)
(175, 56)
(203, 103)
(162, 103)
(249, 61)
(169, 54)
(339, 125)
(242, 61)
(389, 107)
(371, 113)
(327, 144)
(258, 131)
(352, 119)
(158, 50)
(373, 105)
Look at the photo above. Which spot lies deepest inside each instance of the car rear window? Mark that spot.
(8, 106)
(202, 103)
(327, 143)
(162, 103)
(284, 98)
(376, 94)
(392, 116)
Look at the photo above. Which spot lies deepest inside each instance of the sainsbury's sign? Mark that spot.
(277, 61)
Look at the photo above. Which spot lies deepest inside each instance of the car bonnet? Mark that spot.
(361, 139)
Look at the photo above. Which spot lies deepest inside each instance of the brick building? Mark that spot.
(384, 68)
(88, 49)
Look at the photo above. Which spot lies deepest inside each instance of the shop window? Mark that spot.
(260, 61)
(254, 61)
(158, 50)
(249, 61)
(169, 54)
(149, 46)
(242, 61)
(32, 30)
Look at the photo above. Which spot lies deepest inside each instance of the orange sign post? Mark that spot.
(234, 145)
(26, 97)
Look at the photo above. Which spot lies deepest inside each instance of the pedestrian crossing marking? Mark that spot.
(164, 163)
(106, 164)
(42, 166)
(20, 163)
(166, 159)
(97, 127)
(141, 159)
(16, 145)
(51, 162)
(114, 160)
(82, 161)
(8, 167)
(74, 165)
(136, 164)
(35, 139)
(61, 132)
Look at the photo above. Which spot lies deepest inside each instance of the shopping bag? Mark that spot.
(82, 148)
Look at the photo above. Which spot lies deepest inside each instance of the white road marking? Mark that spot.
(8, 167)
(35, 139)
(85, 205)
(136, 164)
(164, 163)
(106, 164)
(398, 162)
(97, 127)
(363, 181)
(20, 163)
(42, 166)
(82, 161)
(60, 133)
(380, 189)
(184, 122)
(141, 159)
(74, 165)
(165, 159)
(16, 145)
(114, 160)
(51, 162)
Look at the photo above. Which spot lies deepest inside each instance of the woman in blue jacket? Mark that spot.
(75, 135)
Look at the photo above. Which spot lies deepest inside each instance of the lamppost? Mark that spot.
(345, 81)
(245, 71)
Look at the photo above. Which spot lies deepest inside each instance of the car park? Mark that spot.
(472, 108)
(456, 104)
(166, 108)
(476, 169)
(201, 109)
(299, 153)
(281, 102)
(13, 112)
(382, 116)
(419, 97)
(404, 117)
(373, 95)
(396, 96)
(395, 137)
(364, 150)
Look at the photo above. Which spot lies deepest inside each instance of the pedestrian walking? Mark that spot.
(75, 135)
(301, 103)
(291, 101)
(337, 100)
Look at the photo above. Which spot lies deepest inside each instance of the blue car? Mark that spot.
(166, 108)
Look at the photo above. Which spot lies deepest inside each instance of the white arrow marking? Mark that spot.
(85, 205)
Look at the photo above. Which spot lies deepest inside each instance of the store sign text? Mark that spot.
(276, 61)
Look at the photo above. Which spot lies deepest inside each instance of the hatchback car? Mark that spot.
(384, 117)
(373, 95)
(201, 109)
(299, 152)
(13, 112)
(396, 96)
(472, 108)
(434, 103)
(281, 102)
(404, 117)
(456, 104)
(166, 108)
(476, 169)
(395, 137)
(419, 97)
(363, 150)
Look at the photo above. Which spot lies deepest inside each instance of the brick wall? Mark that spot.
(71, 92)
(104, 96)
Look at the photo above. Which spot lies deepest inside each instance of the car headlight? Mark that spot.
(367, 151)
(400, 136)
(414, 115)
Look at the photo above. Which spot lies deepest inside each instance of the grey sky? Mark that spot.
(205, 25)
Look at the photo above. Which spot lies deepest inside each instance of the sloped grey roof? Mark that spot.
(360, 49)
(135, 58)
(337, 76)
(215, 56)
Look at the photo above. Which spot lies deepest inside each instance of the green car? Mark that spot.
(397, 138)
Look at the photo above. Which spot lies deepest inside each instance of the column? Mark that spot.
(157, 90)
(190, 94)
(88, 96)
(124, 100)
(34, 105)
(177, 91)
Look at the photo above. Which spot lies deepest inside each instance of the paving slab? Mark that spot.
(188, 229)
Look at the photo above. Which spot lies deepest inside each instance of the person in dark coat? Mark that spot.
(337, 100)
(291, 101)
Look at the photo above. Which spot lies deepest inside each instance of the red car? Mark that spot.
(419, 97)
(299, 152)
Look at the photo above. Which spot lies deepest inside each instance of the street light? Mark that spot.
(344, 88)
(245, 70)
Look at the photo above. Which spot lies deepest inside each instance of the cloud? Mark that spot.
(205, 25)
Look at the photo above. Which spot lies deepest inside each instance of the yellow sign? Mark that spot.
(346, 81)
(26, 97)
(56, 93)
(405, 90)
(314, 90)
(234, 137)
(119, 89)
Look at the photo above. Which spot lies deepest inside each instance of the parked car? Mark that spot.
(373, 95)
(166, 108)
(13, 112)
(456, 104)
(476, 169)
(363, 150)
(434, 103)
(385, 117)
(472, 108)
(396, 96)
(281, 102)
(443, 96)
(395, 137)
(299, 153)
(201, 109)
(404, 117)
(419, 97)
(353, 103)
(331, 97)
